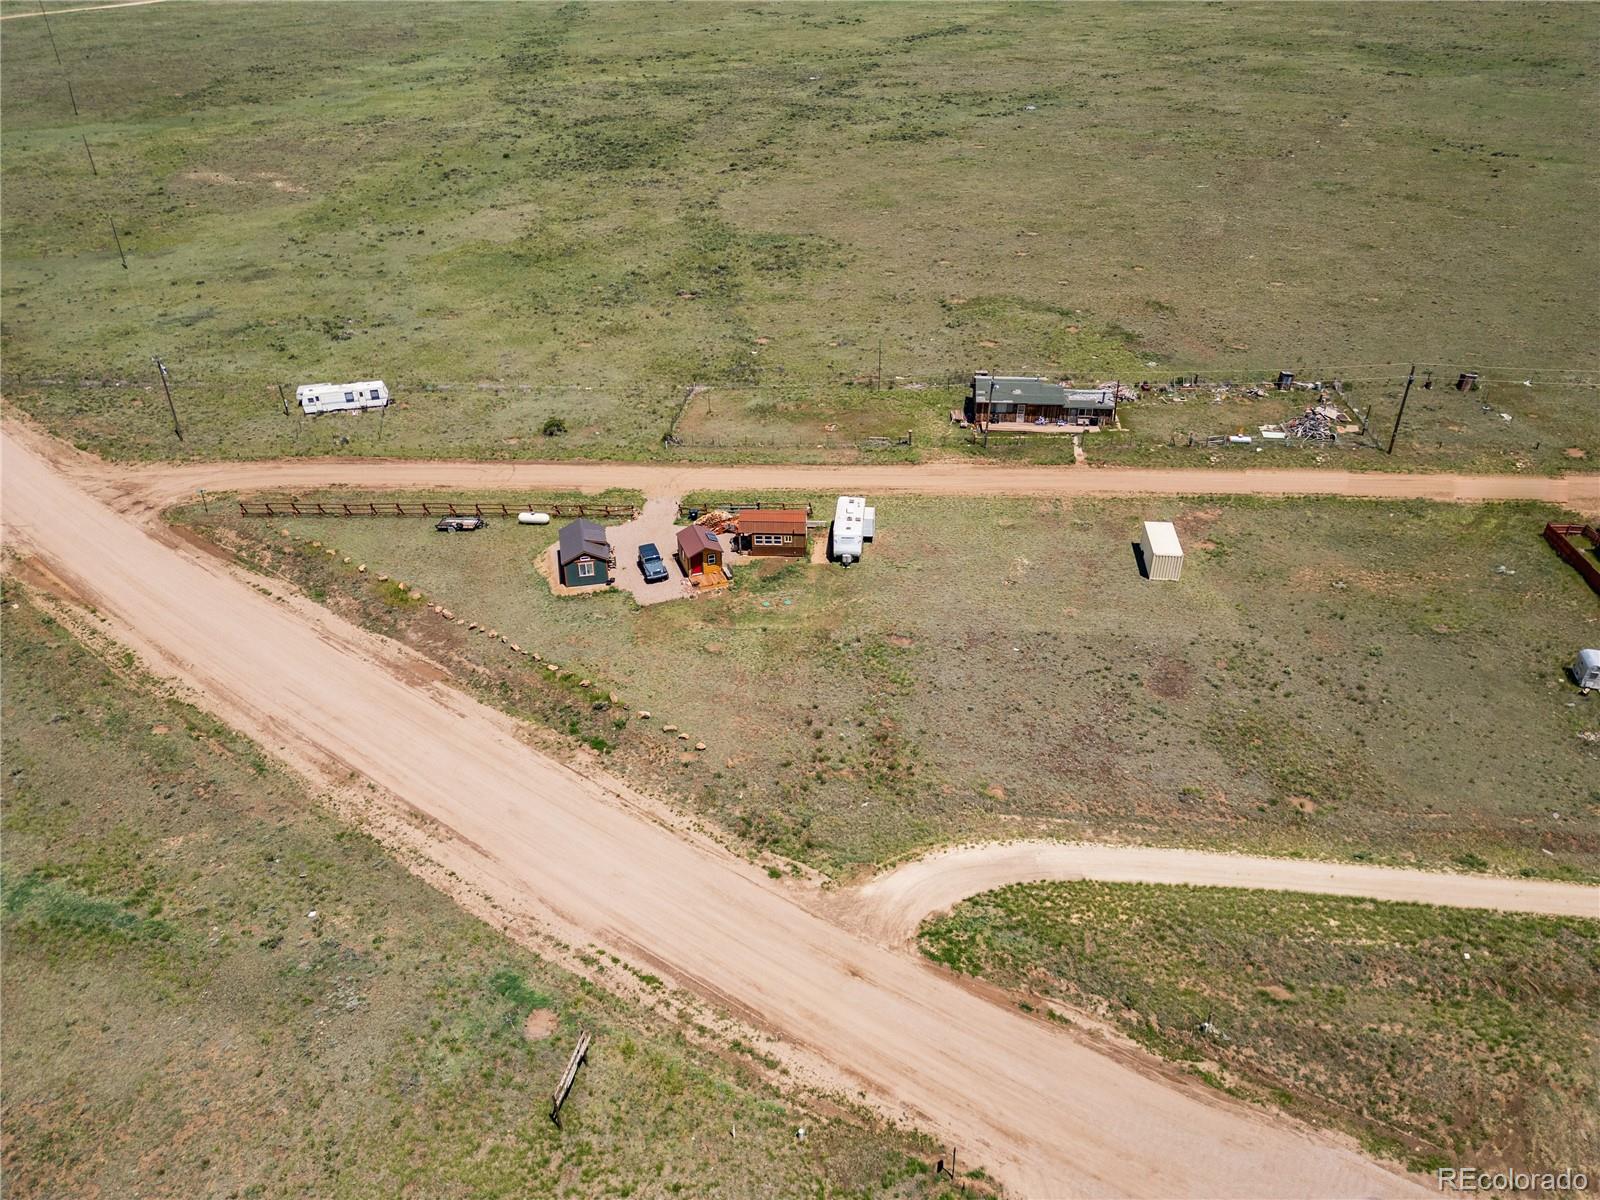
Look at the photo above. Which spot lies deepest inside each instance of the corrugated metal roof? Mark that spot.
(1030, 389)
(581, 537)
(692, 539)
(772, 520)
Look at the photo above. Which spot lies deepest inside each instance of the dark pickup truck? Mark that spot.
(650, 564)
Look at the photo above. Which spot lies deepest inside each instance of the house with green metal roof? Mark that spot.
(1029, 402)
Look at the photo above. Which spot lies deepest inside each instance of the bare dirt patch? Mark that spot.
(1171, 678)
(541, 1023)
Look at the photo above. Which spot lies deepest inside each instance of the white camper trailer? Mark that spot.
(317, 398)
(854, 524)
(1586, 671)
(1163, 556)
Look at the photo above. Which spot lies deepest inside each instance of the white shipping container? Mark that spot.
(341, 397)
(1163, 555)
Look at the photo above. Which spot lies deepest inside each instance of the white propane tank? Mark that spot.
(533, 518)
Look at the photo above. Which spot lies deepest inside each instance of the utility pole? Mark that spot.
(1394, 433)
(171, 407)
(71, 95)
(118, 236)
(87, 151)
(283, 399)
(880, 364)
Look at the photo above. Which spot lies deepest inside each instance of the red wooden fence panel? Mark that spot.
(1560, 537)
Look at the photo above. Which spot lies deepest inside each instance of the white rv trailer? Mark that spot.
(1586, 671)
(854, 524)
(317, 398)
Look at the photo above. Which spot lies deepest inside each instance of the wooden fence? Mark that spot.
(754, 506)
(425, 508)
(1560, 537)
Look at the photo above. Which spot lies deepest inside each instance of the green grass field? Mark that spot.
(1439, 1036)
(176, 1025)
(1330, 677)
(517, 211)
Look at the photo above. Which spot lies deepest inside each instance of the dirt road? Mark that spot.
(168, 483)
(61, 12)
(1046, 1113)
(890, 907)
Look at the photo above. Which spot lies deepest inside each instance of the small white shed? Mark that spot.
(1586, 671)
(1163, 556)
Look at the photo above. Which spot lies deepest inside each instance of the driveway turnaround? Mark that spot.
(890, 907)
(657, 524)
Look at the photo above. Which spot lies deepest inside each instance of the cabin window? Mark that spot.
(586, 569)
(349, 396)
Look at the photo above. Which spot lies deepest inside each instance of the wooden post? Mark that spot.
(580, 1052)
(118, 238)
(1395, 432)
(86, 150)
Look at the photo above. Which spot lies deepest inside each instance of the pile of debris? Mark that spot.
(1318, 424)
(718, 521)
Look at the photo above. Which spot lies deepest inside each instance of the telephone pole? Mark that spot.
(171, 407)
(87, 151)
(118, 236)
(1395, 432)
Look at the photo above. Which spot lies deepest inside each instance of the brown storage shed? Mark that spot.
(772, 533)
(700, 556)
